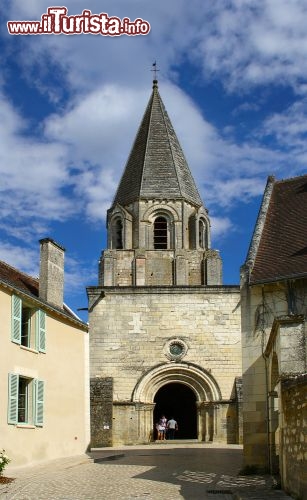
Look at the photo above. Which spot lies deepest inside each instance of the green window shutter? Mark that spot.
(16, 319)
(12, 416)
(39, 402)
(41, 331)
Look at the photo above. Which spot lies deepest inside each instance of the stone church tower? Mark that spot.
(164, 331)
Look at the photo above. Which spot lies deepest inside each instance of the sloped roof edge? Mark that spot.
(66, 312)
(278, 249)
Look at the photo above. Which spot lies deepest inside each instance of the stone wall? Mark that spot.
(101, 397)
(259, 306)
(130, 333)
(273, 345)
(166, 267)
(294, 436)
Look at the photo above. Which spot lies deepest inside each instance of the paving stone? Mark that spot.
(164, 471)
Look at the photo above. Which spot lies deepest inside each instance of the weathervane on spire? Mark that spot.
(155, 70)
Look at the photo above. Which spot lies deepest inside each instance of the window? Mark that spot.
(26, 400)
(28, 325)
(160, 233)
(202, 234)
(23, 394)
(117, 234)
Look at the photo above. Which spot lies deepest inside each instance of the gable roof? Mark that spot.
(282, 250)
(26, 284)
(156, 167)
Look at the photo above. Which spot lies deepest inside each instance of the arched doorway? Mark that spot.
(192, 392)
(178, 401)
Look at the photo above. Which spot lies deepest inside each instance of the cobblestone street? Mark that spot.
(160, 471)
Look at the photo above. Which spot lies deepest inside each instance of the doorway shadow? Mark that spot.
(178, 401)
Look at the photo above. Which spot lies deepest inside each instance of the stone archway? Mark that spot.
(198, 385)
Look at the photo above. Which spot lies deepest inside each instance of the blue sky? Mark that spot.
(233, 78)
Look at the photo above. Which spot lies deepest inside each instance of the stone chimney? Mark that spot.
(51, 272)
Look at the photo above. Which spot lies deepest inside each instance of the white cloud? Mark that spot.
(78, 274)
(17, 256)
(26, 259)
(101, 87)
(87, 61)
(242, 42)
(255, 42)
(220, 226)
(290, 126)
(33, 171)
(228, 192)
(287, 131)
(95, 124)
(75, 166)
(227, 172)
(85, 145)
(97, 187)
(100, 129)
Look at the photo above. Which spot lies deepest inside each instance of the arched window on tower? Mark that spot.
(201, 234)
(117, 234)
(160, 233)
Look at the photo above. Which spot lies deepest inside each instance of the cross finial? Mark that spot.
(155, 70)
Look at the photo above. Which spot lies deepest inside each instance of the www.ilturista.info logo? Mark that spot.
(56, 22)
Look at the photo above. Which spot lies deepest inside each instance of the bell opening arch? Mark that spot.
(161, 223)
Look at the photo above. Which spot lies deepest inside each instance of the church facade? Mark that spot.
(165, 335)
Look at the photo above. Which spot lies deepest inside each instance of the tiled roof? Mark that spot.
(282, 252)
(156, 167)
(18, 280)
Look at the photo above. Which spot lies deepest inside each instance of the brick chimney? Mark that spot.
(51, 272)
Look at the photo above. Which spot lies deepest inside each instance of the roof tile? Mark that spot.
(25, 283)
(156, 167)
(282, 251)
(18, 279)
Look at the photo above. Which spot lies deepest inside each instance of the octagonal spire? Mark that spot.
(156, 167)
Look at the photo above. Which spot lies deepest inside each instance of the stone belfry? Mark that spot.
(158, 228)
(164, 331)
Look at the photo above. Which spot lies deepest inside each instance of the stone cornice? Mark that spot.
(146, 290)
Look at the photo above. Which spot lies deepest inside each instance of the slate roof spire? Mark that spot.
(156, 167)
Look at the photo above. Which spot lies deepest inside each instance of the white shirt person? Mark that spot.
(172, 427)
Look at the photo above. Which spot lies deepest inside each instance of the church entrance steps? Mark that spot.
(178, 441)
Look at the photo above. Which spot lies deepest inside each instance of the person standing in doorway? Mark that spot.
(172, 427)
(162, 428)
